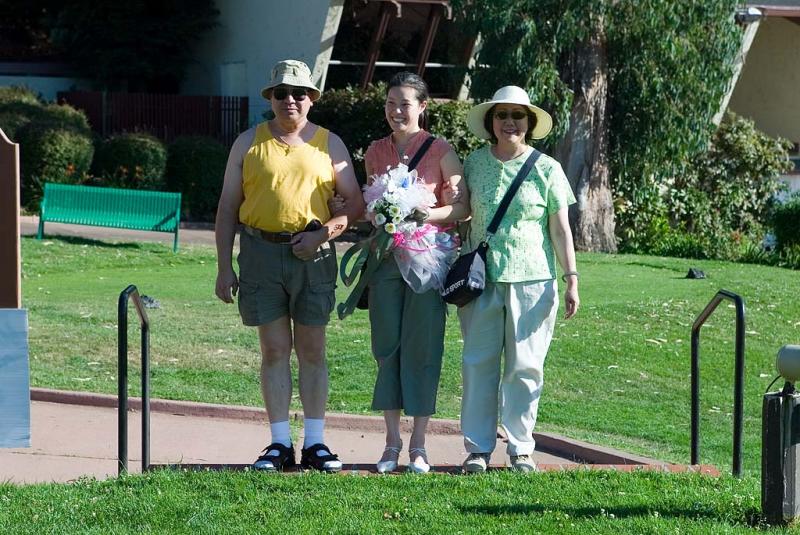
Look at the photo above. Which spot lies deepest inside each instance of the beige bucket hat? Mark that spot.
(509, 94)
(291, 72)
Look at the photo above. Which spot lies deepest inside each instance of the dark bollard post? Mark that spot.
(780, 443)
(780, 456)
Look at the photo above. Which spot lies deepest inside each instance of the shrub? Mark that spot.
(449, 120)
(133, 161)
(51, 153)
(723, 198)
(16, 114)
(785, 222)
(66, 116)
(16, 93)
(196, 167)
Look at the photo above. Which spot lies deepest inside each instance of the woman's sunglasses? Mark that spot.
(517, 115)
(298, 93)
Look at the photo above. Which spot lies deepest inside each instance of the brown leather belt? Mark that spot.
(273, 237)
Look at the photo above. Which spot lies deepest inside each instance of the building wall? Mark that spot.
(768, 89)
(235, 58)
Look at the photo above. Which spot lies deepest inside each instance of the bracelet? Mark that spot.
(567, 274)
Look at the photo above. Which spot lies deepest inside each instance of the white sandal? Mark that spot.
(388, 466)
(420, 464)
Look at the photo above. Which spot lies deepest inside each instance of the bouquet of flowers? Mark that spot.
(423, 252)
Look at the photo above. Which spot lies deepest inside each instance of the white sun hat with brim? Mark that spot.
(509, 94)
(291, 72)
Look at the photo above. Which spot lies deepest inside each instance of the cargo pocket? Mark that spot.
(321, 275)
(321, 270)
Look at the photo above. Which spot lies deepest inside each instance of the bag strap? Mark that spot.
(420, 152)
(512, 190)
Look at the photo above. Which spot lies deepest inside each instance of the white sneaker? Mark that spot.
(523, 463)
(476, 463)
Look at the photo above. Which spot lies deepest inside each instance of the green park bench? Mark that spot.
(111, 207)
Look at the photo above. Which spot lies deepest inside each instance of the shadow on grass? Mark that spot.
(77, 240)
(751, 517)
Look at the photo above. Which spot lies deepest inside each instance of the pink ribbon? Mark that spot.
(400, 240)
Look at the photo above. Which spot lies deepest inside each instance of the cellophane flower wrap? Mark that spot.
(423, 252)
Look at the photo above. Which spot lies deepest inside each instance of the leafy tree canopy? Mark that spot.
(670, 63)
(143, 45)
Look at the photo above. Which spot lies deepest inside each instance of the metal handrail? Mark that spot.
(122, 379)
(738, 386)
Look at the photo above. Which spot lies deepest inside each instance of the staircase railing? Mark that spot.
(738, 385)
(122, 379)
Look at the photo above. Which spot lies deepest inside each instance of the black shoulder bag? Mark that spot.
(363, 301)
(467, 277)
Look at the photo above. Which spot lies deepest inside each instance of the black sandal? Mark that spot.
(267, 462)
(310, 459)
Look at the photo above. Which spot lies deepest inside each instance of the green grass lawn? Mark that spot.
(617, 374)
(247, 502)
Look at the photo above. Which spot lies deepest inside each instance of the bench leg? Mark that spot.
(40, 233)
(175, 242)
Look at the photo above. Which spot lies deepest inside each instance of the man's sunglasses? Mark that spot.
(517, 115)
(298, 93)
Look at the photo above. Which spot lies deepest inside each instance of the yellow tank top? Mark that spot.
(286, 187)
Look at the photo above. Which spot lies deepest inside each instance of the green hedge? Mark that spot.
(196, 167)
(51, 153)
(132, 161)
(785, 222)
(14, 114)
(449, 121)
(16, 93)
(719, 206)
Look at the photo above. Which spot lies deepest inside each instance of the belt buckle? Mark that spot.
(284, 237)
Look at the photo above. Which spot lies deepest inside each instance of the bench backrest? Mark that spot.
(111, 207)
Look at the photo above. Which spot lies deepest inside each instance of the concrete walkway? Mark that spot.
(187, 235)
(74, 434)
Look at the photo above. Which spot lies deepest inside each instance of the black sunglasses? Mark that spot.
(517, 115)
(298, 93)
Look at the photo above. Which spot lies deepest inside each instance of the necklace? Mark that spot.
(519, 151)
(401, 147)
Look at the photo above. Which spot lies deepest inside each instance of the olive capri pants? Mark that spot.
(407, 341)
(515, 319)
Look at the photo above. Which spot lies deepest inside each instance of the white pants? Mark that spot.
(516, 319)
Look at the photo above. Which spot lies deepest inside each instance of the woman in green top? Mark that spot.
(516, 313)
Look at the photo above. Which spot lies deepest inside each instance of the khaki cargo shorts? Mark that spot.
(274, 283)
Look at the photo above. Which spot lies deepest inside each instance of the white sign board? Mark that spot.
(15, 393)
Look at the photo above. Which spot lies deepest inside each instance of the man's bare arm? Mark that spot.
(228, 217)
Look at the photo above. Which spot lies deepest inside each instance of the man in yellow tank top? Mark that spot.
(279, 178)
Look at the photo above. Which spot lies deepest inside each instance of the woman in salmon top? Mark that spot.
(407, 328)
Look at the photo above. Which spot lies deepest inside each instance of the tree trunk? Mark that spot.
(584, 150)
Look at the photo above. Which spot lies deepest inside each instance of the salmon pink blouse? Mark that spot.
(382, 154)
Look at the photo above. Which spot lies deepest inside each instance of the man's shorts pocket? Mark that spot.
(321, 270)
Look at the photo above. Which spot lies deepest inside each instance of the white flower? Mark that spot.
(390, 197)
(394, 211)
(380, 219)
(390, 228)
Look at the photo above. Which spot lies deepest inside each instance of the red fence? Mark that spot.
(164, 116)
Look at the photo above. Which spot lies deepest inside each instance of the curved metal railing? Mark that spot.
(738, 385)
(122, 379)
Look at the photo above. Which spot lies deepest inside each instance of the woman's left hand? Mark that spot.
(571, 301)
